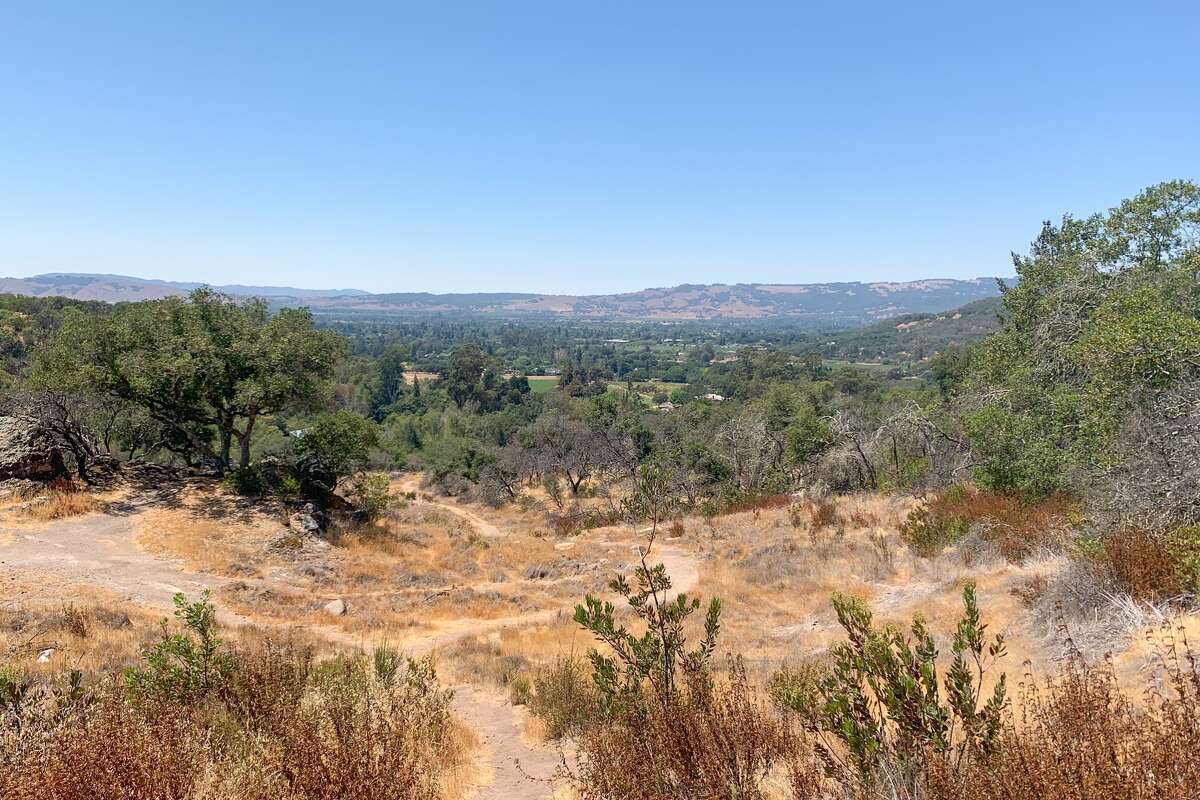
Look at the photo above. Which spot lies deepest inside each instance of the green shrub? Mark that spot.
(184, 666)
(289, 486)
(928, 530)
(369, 494)
(1184, 547)
(884, 701)
(250, 481)
(387, 662)
(798, 689)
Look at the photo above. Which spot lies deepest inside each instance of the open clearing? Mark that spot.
(489, 592)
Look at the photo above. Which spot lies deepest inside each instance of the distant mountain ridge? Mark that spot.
(845, 303)
(120, 288)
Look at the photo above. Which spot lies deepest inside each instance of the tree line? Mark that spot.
(1088, 385)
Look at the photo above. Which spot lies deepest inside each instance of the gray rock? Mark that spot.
(537, 572)
(306, 521)
(336, 608)
(29, 451)
(19, 487)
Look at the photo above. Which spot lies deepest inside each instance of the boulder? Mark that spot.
(28, 451)
(336, 608)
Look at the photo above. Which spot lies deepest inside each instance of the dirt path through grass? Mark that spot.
(101, 550)
(482, 526)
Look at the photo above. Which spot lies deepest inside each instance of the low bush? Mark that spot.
(930, 529)
(183, 667)
(885, 705)
(109, 750)
(369, 495)
(1146, 564)
(564, 697)
(1014, 526)
(754, 502)
(62, 503)
(798, 688)
(248, 481)
(196, 721)
(815, 514)
(1080, 736)
(716, 741)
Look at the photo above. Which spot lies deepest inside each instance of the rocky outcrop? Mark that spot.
(308, 521)
(29, 452)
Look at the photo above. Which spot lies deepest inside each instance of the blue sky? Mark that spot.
(576, 147)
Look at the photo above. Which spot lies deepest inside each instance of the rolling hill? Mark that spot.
(816, 304)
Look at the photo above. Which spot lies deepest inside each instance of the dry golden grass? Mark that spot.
(60, 504)
(61, 499)
(93, 631)
(428, 576)
(424, 569)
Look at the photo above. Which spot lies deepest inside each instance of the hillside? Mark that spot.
(916, 336)
(818, 304)
(123, 288)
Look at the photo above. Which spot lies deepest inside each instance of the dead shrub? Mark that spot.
(713, 741)
(860, 518)
(357, 740)
(1141, 563)
(676, 529)
(1080, 736)
(756, 503)
(112, 751)
(271, 677)
(73, 620)
(823, 513)
(281, 726)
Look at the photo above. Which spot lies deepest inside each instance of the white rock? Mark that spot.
(45, 655)
(336, 608)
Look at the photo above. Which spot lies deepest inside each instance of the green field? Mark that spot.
(542, 384)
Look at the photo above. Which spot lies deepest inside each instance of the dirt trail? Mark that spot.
(482, 526)
(101, 550)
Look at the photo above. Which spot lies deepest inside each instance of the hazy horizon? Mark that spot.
(558, 149)
(629, 290)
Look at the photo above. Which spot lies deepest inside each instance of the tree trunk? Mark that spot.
(226, 446)
(244, 441)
